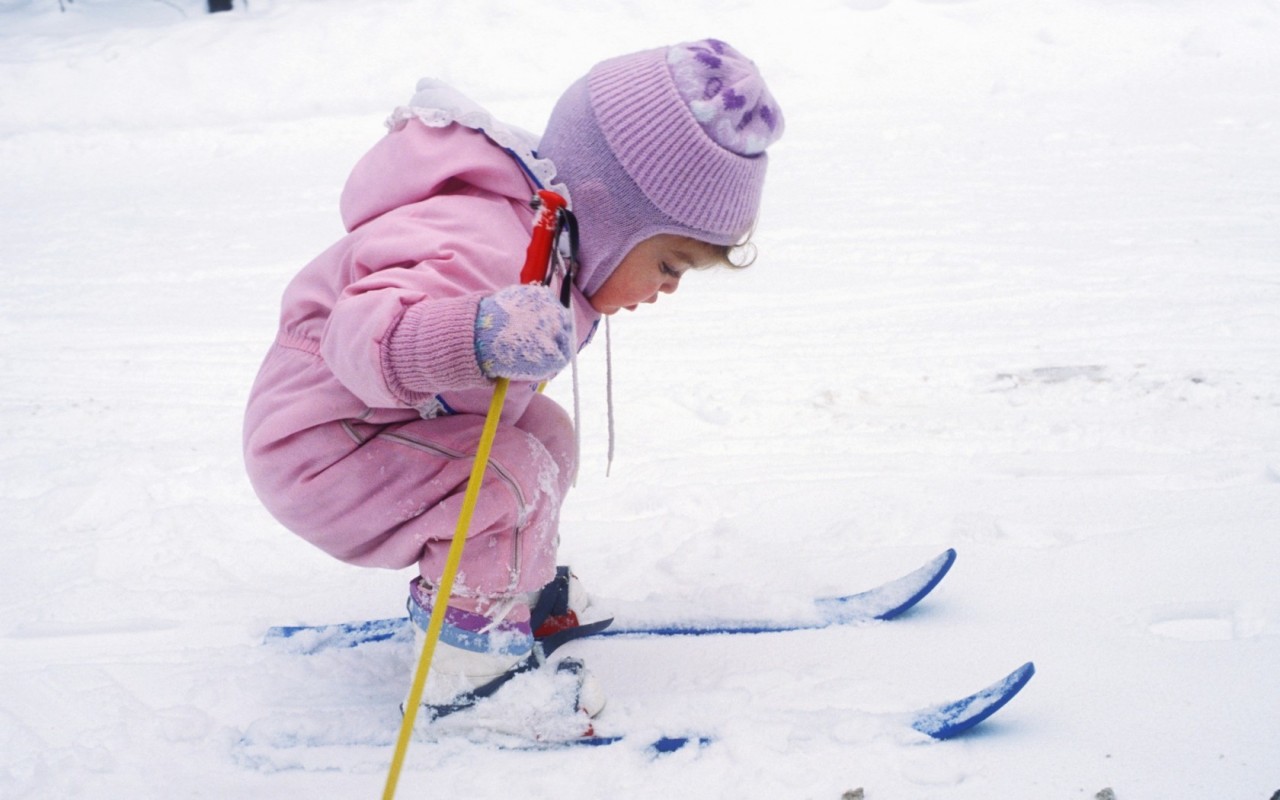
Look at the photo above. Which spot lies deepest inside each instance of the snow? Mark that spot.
(1018, 293)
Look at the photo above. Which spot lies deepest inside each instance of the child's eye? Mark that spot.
(668, 271)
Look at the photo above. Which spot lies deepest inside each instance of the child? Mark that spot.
(366, 413)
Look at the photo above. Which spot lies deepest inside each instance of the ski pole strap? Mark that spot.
(568, 223)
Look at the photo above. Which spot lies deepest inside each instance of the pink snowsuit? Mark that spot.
(365, 416)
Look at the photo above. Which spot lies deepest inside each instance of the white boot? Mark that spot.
(477, 655)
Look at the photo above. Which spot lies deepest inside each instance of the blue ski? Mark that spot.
(944, 721)
(884, 602)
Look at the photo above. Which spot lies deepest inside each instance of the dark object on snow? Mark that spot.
(219, 5)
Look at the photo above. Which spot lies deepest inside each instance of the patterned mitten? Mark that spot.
(523, 333)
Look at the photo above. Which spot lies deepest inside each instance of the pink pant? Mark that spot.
(390, 495)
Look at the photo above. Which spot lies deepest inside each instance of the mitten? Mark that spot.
(523, 333)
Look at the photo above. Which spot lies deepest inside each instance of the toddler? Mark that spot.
(367, 410)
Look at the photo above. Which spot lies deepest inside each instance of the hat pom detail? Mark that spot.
(726, 95)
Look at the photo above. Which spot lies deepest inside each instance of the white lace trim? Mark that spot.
(438, 105)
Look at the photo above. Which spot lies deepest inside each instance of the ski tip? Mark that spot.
(945, 560)
(932, 574)
(949, 720)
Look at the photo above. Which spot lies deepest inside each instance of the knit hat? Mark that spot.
(669, 141)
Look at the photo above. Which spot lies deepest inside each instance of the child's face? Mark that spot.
(653, 267)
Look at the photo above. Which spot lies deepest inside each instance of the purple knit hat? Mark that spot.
(662, 141)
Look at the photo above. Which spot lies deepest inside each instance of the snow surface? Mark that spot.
(1018, 293)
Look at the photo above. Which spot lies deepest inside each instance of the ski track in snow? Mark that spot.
(1018, 293)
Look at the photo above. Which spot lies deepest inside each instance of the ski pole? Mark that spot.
(535, 270)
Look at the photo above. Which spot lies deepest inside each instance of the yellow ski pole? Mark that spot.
(537, 261)
(445, 589)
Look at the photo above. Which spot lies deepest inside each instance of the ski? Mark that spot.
(883, 602)
(277, 747)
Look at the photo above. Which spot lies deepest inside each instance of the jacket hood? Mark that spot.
(443, 137)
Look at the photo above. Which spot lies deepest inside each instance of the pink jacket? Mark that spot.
(362, 418)
(437, 218)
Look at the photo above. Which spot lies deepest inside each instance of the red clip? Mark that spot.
(538, 257)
